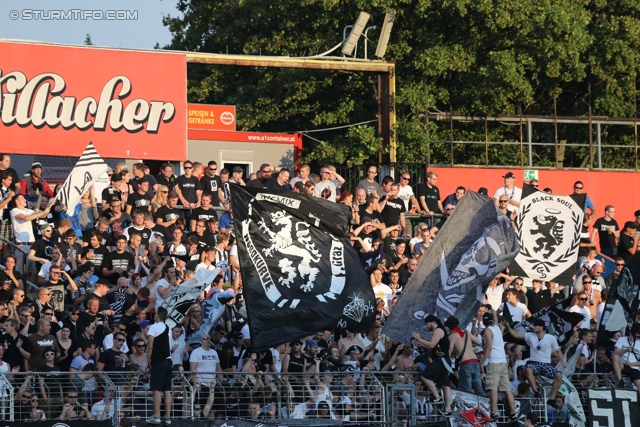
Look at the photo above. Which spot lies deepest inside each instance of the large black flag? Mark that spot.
(559, 322)
(300, 273)
(549, 229)
(622, 303)
(475, 244)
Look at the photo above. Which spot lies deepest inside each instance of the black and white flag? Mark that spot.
(300, 273)
(559, 322)
(548, 229)
(476, 243)
(89, 168)
(622, 303)
(182, 297)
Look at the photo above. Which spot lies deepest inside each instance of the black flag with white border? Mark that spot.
(548, 228)
(300, 273)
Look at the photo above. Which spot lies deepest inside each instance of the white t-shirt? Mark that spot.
(23, 230)
(514, 194)
(540, 350)
(44, 273)
(624, 342)
(176, 356)
(494, 296)
(404, 194)
(207, 361)
(320, 186)
(586, 323)
(497, 354)
(384, 292)
(162, 283)
(276, 359)
(517, 312)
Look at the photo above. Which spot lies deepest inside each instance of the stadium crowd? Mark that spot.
(80, 294)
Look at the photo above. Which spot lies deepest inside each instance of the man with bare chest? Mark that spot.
(461, 345)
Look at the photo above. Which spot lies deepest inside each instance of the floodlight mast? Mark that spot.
(389, 18)
(356, 32)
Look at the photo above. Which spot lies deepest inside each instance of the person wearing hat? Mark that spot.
(497, 368)
(628, 241)
(35, 177)
(541, 345)
(236, 176)
(461, 345)
(510, 190)
(438, 371)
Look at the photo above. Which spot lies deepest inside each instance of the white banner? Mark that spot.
(89, 168)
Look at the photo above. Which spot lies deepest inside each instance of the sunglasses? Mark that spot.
(584, 299)
(619, 265)
(74, 314)
(164, 192)
(213, 169)
(47, 314)
(405, 179)
(119, 339)
(72, 397)
(205, 339)
(141, 346)
(188, 167)
(534, 185)
(578, 188)
(587, 282)
(518, 283)
(504, 201)
(49, 353)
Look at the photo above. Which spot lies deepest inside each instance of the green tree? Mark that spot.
(474, 57)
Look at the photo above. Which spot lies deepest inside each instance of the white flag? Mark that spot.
(89, 168)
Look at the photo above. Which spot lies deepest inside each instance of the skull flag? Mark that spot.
(548, 228)
(476, 243)
(300, 273)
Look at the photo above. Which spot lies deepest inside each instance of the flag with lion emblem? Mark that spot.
(300, 273)
(548, 228)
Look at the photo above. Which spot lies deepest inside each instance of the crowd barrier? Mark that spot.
(355, 398)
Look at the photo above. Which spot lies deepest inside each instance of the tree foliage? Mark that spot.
(479, 57)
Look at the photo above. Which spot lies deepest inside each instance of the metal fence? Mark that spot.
(363, 398)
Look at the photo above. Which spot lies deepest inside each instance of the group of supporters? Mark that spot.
(101, 275)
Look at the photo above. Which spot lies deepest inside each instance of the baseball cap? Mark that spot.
(311, 343)
(145, 323)
(538, 322)
(116, 177)
(238, 169)
(631, 224)
(483, 191)
(35, 165)
(636, 213)
(353, 349)
(487, 318)
(508, 175)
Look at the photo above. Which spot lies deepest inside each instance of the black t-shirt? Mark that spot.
(12, 354)
(139, 202)
(144, 232)
(70, 251)
(161, 350)
(375, 216)
(369, 238)
(109, 194)
(624, 244)
(538, 301)
(188, 187)
(167, 214)
(606, 240)
(584, 239)
(152, 183)
(203, 214)
(42, 249)
(115, 260)
(391, 212)
(105, 237)
(272, 184)
(99, 254)
(431, 196)
(113, 360)
(7, 283)
(169, 183)
(162, 232)
(211, 185)
(100, 320)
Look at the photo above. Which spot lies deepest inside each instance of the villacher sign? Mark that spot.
(131, 104)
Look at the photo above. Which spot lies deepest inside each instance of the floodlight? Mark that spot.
(356, 32)
(389, 17)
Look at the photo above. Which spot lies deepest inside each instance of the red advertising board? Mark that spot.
(55, 99)
(211, 117)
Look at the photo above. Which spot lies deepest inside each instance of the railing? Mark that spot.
(364, 398)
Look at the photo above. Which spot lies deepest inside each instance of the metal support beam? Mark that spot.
(385, 70)
(529, 142)
(598, 145)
